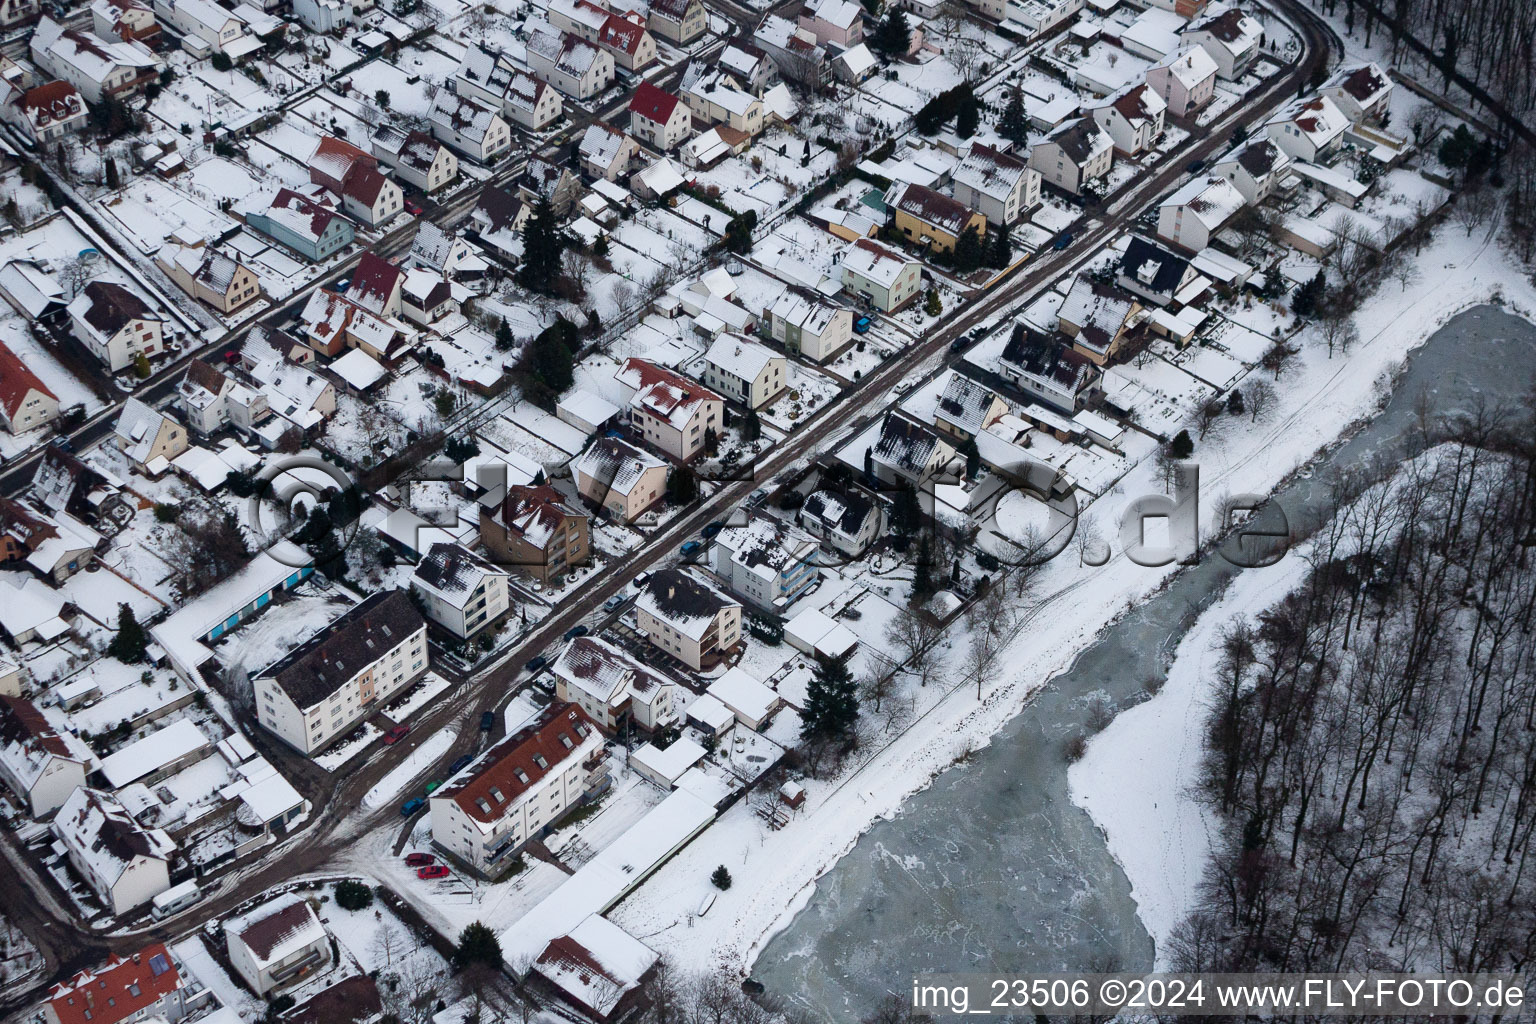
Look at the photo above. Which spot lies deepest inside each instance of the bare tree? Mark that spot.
(913, 632)
(1474, 208)
(966, 54)
(1339, 332)
(388, 943)
(1258, 396)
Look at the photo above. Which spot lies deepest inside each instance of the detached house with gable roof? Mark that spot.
(470, 127)
(1311, 130)
(908, 451)
(1097, 317)
(212, 400)
(95, 66)
(741, 369)
(1192, 215)
(210, 276)
(806, 324)
(966, 407)
(606, 152)
(669, 411)
(353, 176)
(40, 762)
(677, 21)
(536, 530)
(128, 20)
(116, 325)
(1048, 371)
(688, 619)
(1231, 38)
(303, 225)
(277, 945)
(1256, 170)
(25, 401)
(1133, 118)
(1156, 274)
(125, 864)
(576, 67)
(932, 219)
(613, 688)
(887, 278)
(1185, 79)
(623, 36)
(149, 437)
(321, 689)
(332, 323)
(766, 563)
(459, 590)
(658, 117)
(1077, 153)
(44, 112)
(617, 476)
(490, 77)
(416, 158)
(840, 22)
(376, 285)
(1362, 92)
(598, 967)
(518, 789)
(146, 985)
(1001, 186)
(848, 523)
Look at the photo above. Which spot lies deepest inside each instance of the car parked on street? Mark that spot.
(411, 806)
(396, 734)
(460, 764)
(433, 871)
(691, 548)
(420, 860)
(576, 631)
(487, 721)
(535, 664)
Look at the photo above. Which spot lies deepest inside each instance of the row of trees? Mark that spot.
(1371, 746)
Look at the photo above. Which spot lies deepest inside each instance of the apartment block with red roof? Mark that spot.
(142, 985)
(518, 789)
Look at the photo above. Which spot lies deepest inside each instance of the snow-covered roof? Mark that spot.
(602, 144)
(1232, 29)
(101, 833)
(137, 427)
(990, 171)
(452, 573)
(1213, 200)
(32, 606)
(30, 740)
(739, 357)
(358, 369)
(669, 764)
(711, 713)
(661, 177)
(662, 393)
(604, 672)
(1318, 118)
(845, 513)
(30, 287)
(965, 402)
(597, 964)
(932, 208)
(1099, 311)
(845, 14)
(1189, 66)
(817, 631)
(687, 604)
(150, 753)
(93, 57)
(276, 930)
(462, 115)
(329, 315)
(874, 261)
(615, 463)
(744, 694)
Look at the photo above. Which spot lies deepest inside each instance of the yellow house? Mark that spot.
(933, 219)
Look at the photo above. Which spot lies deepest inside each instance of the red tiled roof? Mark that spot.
(16, 381)
(59, 99)
(515, 755)
(364, 184)
(119, 990)
(620, 34)
(652, 103)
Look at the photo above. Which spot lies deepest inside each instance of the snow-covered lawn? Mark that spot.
(415, 763)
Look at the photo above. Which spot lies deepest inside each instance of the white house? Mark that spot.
(459, 590)
(1000, 185)
(687, 618)
(95, 66)
(607, 152)
(803, 323)
(908, 451)
(1077, 153)
(597, 967)
(576, 67)
(714, 100)
(493, 79)
(1133, 118)
(473, 129)
(148, 437)
(670, 411)
(205, 28)
(1310, 130)
(125, 864)
(211, 400)
(25, 401)
(277, 945)
(658, 117)
(611, 686)
(517, 789)
(116, 325)
(1256, 169)
(765, 563)
(44, 112)
(848, 523)
(622, 35)
(748, 699)
(1231, 38)
(744, 371)
(1194, 213)
(617, 476)
(886, 277)
(1363, 92)
(41, 763)
(321, 689)
(1185, 79)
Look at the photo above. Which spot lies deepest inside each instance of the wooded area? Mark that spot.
(1371, 746)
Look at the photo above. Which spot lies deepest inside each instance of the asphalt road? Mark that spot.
(341, 819)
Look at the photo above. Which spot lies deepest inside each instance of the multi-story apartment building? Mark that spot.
(517, 789)
(670, 411)
(459, 590)
(535, 530)
(321, 689)
(687, 618)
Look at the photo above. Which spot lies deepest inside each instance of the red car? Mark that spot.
(419, 860)
(433, 871)
(413, 207)
(397, 734)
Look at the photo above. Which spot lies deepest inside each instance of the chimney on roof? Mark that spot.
(671, 590)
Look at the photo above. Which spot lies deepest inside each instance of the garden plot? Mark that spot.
(406, 92)
(284, 151)
(342, 117)
(806, 392)
(1210, 365)
(149, 210)
(1159, 394)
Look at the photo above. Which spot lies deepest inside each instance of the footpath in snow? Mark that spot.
(418, 761)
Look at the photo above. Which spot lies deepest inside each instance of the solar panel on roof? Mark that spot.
(158, 964)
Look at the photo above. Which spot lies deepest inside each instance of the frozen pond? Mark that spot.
(993, 868)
